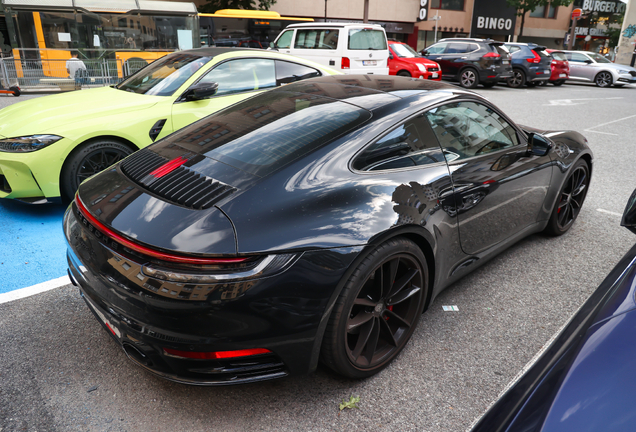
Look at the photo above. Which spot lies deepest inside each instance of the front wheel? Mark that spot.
(377, 311)
(404, 74)
(603, 79)
(518, 79)
(87, 160)
(469, 78)
(570, 199)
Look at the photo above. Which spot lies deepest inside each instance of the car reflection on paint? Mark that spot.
(303, 225)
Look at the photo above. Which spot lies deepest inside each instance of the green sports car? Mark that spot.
(49, 145)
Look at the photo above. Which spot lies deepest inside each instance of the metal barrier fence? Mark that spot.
(47, 74)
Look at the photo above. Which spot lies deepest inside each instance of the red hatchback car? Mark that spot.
(405, 61)
(560, 67)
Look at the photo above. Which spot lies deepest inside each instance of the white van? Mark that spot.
(349, 48)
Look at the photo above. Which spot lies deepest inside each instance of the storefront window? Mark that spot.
(448, 4)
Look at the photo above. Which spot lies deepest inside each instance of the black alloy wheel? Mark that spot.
(377, 311)
(87, 160)
(603, 79)
(570, 199)
(518, 79)
(469, 78)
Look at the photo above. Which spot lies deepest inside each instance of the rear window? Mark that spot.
(541, 53)
(559, 56)
(264, 133)
(367, 39)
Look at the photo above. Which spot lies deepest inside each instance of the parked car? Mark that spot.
(50, 144)
(348, 48)
(405, 61)
(470, 61)
(584, 380)
(531, 64)
(314, 221)
(560, 67)
(592, 67)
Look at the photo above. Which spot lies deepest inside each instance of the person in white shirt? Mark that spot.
(73, 65)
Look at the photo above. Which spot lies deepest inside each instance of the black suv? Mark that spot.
(530, 64)
(471, 61)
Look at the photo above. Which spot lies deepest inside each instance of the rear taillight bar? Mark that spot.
(215, 355)
(535, 59)
(491, 55)
(151, 252)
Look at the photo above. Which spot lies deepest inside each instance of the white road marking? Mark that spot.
(33, 290)
(608, 123)
(570, 102)
(609, 212)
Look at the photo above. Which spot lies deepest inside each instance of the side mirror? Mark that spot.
(201, 91)
(424, 52)
(629, 215)
(588, 62)
(391, 55)
(272, 46)
(538, 145)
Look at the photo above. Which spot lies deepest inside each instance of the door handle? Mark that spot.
(463, 58)
(438, 58)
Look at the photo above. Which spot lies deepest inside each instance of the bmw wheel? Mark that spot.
(469, 78)
(87, 160)
(603, 79)
(570, 199)
(377, 311)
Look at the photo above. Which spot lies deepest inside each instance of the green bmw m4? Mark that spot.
(49, 145)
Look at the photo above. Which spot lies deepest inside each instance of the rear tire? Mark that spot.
(377, 310)
(570, 199)
(469, 78)
(87, 160)
(518, 79)
(558, 83)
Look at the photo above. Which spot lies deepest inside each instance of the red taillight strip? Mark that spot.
(216, 355)
(150, 252)
(168, 167)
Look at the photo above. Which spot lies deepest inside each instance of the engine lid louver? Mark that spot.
(173, 181)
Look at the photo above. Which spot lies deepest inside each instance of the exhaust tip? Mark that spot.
(136, 354)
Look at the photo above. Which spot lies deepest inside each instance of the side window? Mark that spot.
(410, 144)
(236, 76)
(467, 129)
(579, 58)
(437, 48)
(316, 39)
(284, 41)
(287, 72)
(513, 49)
(457, 48)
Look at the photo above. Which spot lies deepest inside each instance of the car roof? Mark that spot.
(335, 24)
(216, 51)
(370, 91)
(469, 40)
(530, 45)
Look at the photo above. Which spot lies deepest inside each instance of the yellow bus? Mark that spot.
(243, 28)
(49, 32)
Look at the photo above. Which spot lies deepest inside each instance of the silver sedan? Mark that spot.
(593, 67)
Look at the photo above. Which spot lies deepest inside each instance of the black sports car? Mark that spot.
(315, 221)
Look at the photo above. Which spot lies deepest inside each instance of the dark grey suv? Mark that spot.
(471, 61)
(531, 64)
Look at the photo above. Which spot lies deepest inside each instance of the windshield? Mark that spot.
(598, 58)
(164, 76)
(404, 51)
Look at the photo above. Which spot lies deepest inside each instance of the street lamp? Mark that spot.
(436, 18)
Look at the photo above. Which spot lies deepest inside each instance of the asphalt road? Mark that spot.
(59, 371)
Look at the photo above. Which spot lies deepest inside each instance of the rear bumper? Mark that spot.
(282, 313)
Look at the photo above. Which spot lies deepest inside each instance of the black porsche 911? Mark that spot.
(313, 222)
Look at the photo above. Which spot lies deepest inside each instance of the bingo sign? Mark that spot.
(423, 16)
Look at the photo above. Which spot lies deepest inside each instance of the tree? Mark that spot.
(214, 5)
(525, 6)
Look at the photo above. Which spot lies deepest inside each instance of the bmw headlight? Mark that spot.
(421, 67)
(26, 144)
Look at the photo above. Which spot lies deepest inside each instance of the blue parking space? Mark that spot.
(32, 246)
